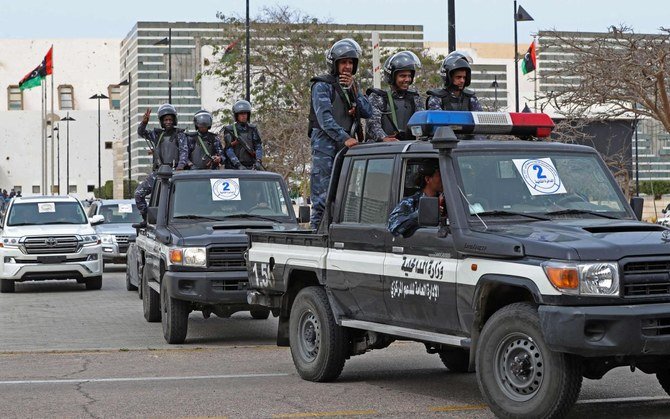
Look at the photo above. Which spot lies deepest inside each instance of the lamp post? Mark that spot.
(56, 130)
(128, 82)
(248, 67)
(67, 120)
(494, 84)
(168, 41)
(99, 96)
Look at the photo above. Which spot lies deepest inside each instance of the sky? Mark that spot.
(476, 20)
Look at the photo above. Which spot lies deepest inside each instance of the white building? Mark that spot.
(81, 69)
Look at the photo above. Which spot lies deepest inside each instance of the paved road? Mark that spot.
(67, 352)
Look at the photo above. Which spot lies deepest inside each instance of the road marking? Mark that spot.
(457, 408)
(626, 400)
(326, 414)
(131, 379)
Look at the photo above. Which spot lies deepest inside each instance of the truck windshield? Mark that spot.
(39, 213)
(120, 213)
(219, 198)
(547, 184)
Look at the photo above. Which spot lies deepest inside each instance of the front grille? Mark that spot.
(122, 239)
(123, 248)
(226, 258)
(646, 278)
(656, 327)
(44, 245)
(230, 285)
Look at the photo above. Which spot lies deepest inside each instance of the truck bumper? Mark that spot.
(111, 253)
(18, 266)
(607, 330)
(228, 288)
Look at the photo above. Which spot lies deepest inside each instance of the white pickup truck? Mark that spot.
(49, 237)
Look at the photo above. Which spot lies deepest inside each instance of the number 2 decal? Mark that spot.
(226, 186)
(538, 168)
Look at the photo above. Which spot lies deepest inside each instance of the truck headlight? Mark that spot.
(9, 242)
(188, 256)
(590, 279)
(89, 239)
(107, 239)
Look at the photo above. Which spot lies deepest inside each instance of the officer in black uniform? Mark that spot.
(244, 147)
(169, 146)
(391, 109)
(455, 96)
(205, 149)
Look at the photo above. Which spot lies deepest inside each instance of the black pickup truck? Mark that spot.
(540, 273)
(190, 256)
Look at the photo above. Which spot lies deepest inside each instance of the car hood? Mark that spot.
(222, 232)
(116, 228)
(588, 239)
(48, 230)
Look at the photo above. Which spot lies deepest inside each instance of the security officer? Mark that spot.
(204, 146)
(404, 219)
(169, 146)
(244, 147)
(455, 96)
(334, 121)
(391, 109)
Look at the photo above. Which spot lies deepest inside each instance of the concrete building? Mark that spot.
(81, 68)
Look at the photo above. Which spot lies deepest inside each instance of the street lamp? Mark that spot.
(99, 96)
(67, 120)
(57, 155)
(168, 41)
(495, 92)
(128, 82)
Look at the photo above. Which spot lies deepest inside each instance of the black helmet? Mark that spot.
(242, 106)
(403, 60)
(344, 48)
(202, 118)
(167, 109)
(455, 61)
(427, 168)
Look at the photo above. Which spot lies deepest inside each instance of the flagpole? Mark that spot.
(516, 63)
(52, 135)
(536, 74)
(44, 134)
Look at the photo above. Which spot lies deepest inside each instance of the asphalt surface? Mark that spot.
(68, 352)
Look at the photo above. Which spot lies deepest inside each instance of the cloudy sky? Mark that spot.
(476, 20)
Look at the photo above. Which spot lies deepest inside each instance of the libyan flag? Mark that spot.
(529, 62)
(35, 77)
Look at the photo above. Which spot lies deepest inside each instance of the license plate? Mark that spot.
(50, 259)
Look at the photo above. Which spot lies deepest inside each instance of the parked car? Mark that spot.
(116, 230)
(49, 237)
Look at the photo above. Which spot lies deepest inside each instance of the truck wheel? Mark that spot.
(174, 318)
(94, 283)
(260, 313)
(150, 300)
(7, 286)
(517, 373)
(129, 285)
(664, 380)
(318, 344)
(455, 359)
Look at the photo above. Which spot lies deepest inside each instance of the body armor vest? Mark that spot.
(450, 102)
(199, 157)
(240, 150)
(340, 105)
(167, 150)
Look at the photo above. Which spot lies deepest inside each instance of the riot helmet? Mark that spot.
(455, 61)
(344, 48)
(242, 106)
(202, 118)
(167, 109)
(403, 60)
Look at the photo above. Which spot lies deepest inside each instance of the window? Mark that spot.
(114, 91)
(108, 145)
(14, 98)
(367, 195)
(72, 189)
(36, 189)
(17, 188)
(65, 97)
(90, 188)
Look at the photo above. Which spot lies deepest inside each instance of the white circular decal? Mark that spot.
(226, 190)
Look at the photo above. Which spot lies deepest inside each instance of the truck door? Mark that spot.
(357, 239)
(152, 248)
(420, 272)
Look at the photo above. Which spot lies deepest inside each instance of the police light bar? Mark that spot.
(424, 123)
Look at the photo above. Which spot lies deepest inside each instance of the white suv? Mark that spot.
(49, 237)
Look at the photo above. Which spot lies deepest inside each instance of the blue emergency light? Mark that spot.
(424, 123)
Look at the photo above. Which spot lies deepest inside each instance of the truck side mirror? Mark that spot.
(637, 203)
(303, 214)
(429, 211)
(97, 219)
(152, 215)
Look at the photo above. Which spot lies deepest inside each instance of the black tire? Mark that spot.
(517, 374)
(151, 303)
(664, 380)
(174, 317)
(318, 344)
(260, 313)
(7, 286)
(455, 359)
(129, 285)
(94, 283)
